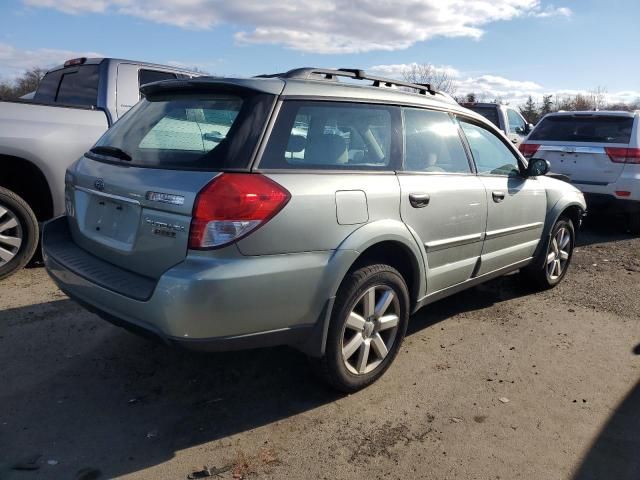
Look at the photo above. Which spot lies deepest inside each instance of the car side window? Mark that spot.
(516, 122)
(432, 143)
(330, 135)
(150, 76)
(490, 154)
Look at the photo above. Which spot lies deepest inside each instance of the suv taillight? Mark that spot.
(528, 149)
(233, 205)
(623, 155)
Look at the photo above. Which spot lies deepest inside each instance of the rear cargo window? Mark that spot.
(324, 135)
(582, 128)
(490, 113)
(191, 132)
(77, 86)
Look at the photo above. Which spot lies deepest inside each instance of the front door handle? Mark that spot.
(498, 196)
(515, 140)
(419, 200)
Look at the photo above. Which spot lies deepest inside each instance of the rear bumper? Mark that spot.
(222, 302)
(605, 201)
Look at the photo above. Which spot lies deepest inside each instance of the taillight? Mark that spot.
(233, 205)
(528, 149)
(623, 155)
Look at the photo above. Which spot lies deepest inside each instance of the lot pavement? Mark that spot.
(498, 382)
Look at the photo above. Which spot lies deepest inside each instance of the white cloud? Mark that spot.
(14, 61)
(329, 26)
(493, 87)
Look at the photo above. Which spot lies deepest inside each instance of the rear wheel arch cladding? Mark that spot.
(375, 233)
(345, 256)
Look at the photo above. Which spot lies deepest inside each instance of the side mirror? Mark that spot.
(528, 127)
(537, 167)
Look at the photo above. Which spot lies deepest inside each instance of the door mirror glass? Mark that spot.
(537, 167)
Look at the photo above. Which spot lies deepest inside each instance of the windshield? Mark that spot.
(189, 131)
(582, 128)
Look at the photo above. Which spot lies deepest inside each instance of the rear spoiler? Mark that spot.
(212, 84)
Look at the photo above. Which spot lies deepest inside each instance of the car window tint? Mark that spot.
(79, 87)
(193, 127)
(516, 122)
(490, 154)
(150, 76)
(70, 86)
(191, 130)
(322, 135)
(490, 113)
(432, 143)
(48, 87)
(584, 128)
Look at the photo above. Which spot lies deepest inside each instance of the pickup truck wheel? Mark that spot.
(557, 257)
(367, 327)
(18, 233)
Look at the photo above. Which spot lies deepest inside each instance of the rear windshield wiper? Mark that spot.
(111, 152)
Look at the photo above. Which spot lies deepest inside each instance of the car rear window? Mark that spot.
(76, 86)
(204, 131)
(330, 135)
(584, 128)
(490, 113)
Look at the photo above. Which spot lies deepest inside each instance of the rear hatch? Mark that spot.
(584, 146)
(130, 198)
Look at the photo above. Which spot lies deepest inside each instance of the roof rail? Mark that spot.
(309, 73)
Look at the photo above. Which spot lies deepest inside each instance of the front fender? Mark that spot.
(567, 200)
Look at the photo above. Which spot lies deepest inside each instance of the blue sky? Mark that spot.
(505, 48)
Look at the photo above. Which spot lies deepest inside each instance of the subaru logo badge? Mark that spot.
(99, 184)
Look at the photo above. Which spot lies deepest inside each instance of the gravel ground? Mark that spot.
(498, 382)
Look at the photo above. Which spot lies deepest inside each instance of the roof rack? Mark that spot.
(308, 73)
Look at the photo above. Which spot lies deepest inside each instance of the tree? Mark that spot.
(547, 105)
(530, 110)
(470, 98)
(25, 83)
(422, 73)
(582, 102)
(564, 102)
(598, 97)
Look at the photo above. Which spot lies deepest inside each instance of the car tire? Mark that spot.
(552, 265)
(18, 233)
(367, 326)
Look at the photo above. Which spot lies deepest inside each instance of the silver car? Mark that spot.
(301, 209)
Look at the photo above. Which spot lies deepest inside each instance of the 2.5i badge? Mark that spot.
(164, 229)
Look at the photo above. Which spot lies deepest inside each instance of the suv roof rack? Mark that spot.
(308, 73)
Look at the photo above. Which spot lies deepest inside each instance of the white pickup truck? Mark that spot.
(73, 106)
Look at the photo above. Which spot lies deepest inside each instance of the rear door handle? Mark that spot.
(419, 200)
(498, 196)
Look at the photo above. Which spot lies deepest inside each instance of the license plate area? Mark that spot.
(112, 222)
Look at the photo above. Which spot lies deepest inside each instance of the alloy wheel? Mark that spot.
(559, 253)
(370, 330)
(11, 235)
